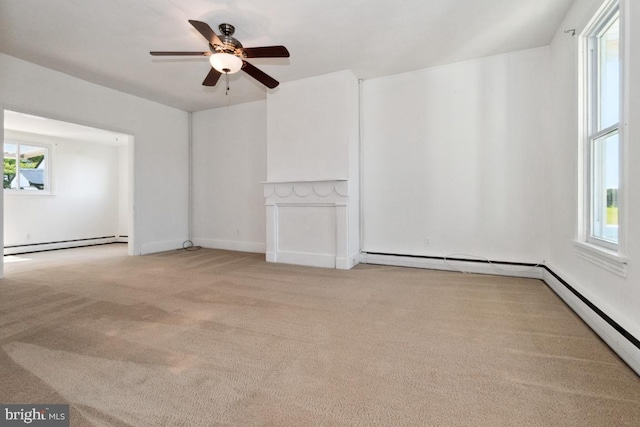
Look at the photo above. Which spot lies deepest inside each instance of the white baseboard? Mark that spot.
(231, 245)
(618, 342)
(342, 263)
(451, 265)
(348, 263)
(307, 259)
(154, 247)
(41, 247)
(313, 260)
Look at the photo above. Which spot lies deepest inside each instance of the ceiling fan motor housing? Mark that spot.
(229, 44)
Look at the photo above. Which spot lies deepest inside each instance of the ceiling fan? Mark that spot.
(226, 55)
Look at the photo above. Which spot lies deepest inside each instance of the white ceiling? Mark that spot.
(108, 41)
(19, 122)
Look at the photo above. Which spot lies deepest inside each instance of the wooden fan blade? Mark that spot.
(212, 78)
(266, 52)
(259, 75)
(180, 53)
(206, 31)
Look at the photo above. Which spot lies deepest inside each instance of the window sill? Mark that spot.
(27, 193)
(603, 258)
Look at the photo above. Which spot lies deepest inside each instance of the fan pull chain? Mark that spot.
(227, 92)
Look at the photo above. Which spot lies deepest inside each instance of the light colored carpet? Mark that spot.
(212, 337)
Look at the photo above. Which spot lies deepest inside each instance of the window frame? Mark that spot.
(601, 23)
(47, 190)
(589, 133)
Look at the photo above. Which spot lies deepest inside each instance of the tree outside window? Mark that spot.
(25, 167)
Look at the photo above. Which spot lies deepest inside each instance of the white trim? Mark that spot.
(2, 233)
(154, 247)
(347, 263)
(58, 245)
(12, 192)
(618, 343)
(231, 245)
(494, 268)
(361, 158)
(307, 259)
(607, 259)
(606, 132)
(189, 175)
(343, 263)
(316, 195)
(589, 134)
(623, 148)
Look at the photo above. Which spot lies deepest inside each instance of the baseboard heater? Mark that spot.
(628, 349)
(62, 244)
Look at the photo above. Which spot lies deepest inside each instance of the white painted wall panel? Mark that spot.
(229, 165)
(307, 229)
(309, 128)
(454, 160)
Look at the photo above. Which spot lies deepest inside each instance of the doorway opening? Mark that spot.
(65, 185)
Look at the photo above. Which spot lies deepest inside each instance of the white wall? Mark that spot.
(84, 203)
(229, 165)
(454, 159)
(310, 128)
(160, 148)
(618, 297)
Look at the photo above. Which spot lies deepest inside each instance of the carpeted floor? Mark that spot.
(210, 337)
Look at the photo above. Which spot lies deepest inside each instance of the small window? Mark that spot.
(26, 167)
(603, 140)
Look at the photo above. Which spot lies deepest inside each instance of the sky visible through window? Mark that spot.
(610, 97)
(605, 173)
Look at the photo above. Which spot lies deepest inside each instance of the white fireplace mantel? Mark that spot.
(308, 223)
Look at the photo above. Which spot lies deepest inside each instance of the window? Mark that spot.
(26, 167)
(602, 134)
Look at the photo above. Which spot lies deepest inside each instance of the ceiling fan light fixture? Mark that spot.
(225, 63)
(226, 55)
